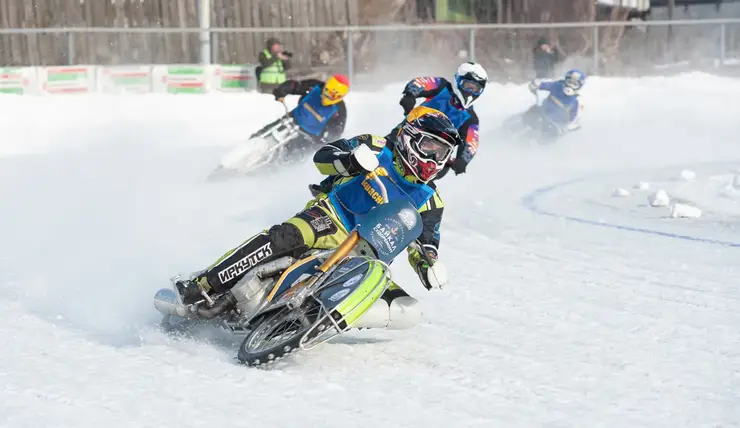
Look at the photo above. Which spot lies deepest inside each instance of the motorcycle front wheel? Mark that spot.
(279, 334)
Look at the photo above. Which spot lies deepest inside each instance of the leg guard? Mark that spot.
(400, 314)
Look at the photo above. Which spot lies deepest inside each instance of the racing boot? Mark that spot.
(395, 310)
(189, 290)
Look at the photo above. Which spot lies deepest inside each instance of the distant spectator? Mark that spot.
(545, 58)
(274, 60)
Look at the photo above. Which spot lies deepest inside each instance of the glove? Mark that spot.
(459, 166)
(360, 160)
(461, 162)
(408, 102)
(533, 86)
(278, 93)
(429, 268)
(433, 276)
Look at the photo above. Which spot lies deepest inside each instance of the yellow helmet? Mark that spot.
(335, 88)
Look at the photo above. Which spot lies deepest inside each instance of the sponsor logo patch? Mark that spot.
(377, 197)
(321, 223)
(408, 218)
(246, 263)
(352, 281)
(386, 235)
(339, 294)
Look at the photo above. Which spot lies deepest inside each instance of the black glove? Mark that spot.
(459, 166)
(408, 102)
(279, 93)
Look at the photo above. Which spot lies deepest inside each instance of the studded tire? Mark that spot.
(296, 322)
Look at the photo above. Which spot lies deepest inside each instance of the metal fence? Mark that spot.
(383, 53)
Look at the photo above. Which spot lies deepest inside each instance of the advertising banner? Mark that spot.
(234, 78)
(134, 79)
(125, 79)
(78, 79)
(180, 79)
(17, 80)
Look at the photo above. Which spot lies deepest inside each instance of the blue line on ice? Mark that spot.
(530, 202)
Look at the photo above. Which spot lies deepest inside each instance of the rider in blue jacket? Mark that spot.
(455, 100)
(561, 106)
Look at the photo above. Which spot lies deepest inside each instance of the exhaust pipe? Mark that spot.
(167, 302)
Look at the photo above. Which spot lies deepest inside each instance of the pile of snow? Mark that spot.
(620, 192)
(685, 211)
(659, 198)
(688, 175)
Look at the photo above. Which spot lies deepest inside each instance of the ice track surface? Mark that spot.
(564, 310)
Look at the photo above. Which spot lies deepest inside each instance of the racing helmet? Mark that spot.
(334, 90)
(470, 81)
(426, 141)
(573, 82)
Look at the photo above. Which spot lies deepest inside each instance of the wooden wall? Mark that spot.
(318, 52)
(50, 49)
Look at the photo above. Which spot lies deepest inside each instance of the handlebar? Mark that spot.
(285, 106)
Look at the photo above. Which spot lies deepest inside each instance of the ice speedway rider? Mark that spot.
(426, 142)
(320, 113)
(454, 100)
(561, 106)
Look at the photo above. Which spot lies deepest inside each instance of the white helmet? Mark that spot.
(470, 81)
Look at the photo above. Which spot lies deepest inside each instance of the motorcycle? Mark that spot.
(288, 305)
(269, 145)
(534, 125)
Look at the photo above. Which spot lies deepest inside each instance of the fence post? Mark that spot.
(471, 45)
(204, 36)
(214, 48)
(596, 50)
(350, 56)
(722, 45)
(70, 48)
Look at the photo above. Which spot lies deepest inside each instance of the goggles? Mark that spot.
(471, 86)
(429, 146)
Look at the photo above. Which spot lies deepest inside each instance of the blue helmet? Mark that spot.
(574, 81)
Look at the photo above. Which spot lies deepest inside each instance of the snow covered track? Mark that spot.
(546, 323)
(731, 220)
